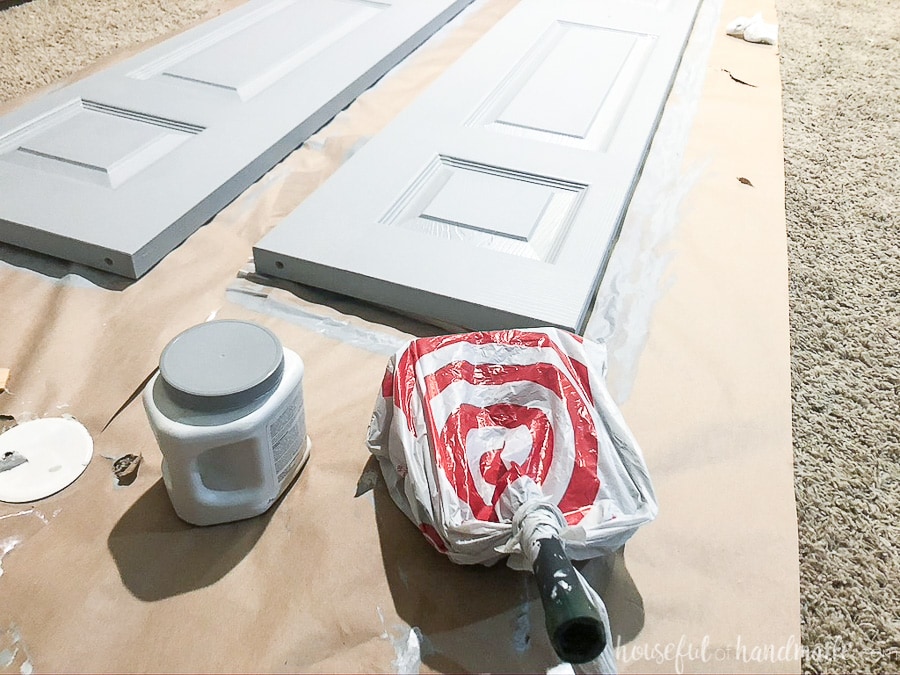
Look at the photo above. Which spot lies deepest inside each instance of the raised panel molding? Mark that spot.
(495, 199)
(571, 87)
(65, 142)
(489, 207)
(116, 170)
(252, 53)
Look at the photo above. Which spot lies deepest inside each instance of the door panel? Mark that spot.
(247, 56)
(494, 200)
(118, 169)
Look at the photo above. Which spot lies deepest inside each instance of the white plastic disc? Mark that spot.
(57, 449)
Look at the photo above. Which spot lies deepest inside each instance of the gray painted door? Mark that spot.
(494, 200)
(118, 169)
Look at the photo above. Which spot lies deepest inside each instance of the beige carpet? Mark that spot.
(46, 40)
(840, 65)
(841, 74)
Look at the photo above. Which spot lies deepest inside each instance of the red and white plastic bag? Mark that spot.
(469, 429)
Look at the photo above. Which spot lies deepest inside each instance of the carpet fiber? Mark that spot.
(840, 65)
(46, 40)
(840, 62)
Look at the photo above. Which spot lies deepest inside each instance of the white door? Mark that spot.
(118, 169)
(493, 200)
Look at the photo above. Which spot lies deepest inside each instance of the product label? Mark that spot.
(287, 434)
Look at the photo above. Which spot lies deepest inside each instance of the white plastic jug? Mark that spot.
(227, 410)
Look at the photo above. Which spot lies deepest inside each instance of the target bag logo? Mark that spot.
(467, 427)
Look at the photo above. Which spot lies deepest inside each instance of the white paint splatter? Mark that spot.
(246, 293)
(561, 669)
(28, 512)
(636, 276)
(13, 515)
(7, 545)
(560, 586)
(522, 634)
(11, 542)
(409, 653)
(407, 643)
(14, 648)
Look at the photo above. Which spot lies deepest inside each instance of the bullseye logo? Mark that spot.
(499, 407)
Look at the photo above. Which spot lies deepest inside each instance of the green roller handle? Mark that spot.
(573, 623)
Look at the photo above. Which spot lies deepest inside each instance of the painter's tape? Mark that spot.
(57, 450)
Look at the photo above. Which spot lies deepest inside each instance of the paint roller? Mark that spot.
(572, 617)
(506, 443)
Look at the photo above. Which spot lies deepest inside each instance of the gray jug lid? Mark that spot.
(221, 365)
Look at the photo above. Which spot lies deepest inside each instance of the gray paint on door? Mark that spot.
(116, 170)
(494, 200)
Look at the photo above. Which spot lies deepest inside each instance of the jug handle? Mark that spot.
(209, 497)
